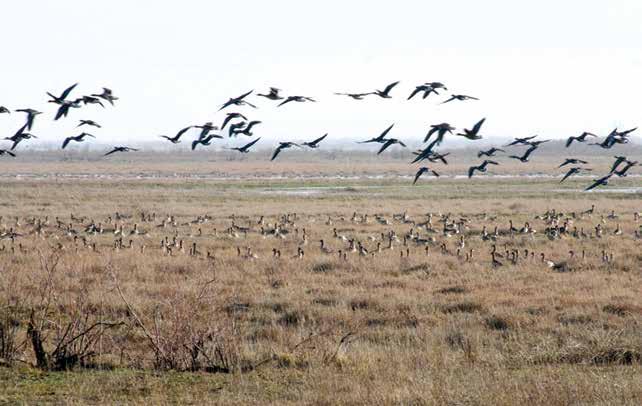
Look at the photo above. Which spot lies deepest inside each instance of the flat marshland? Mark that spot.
(146, 287)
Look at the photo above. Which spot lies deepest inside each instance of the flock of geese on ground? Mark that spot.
(342, 237)
(239, 124)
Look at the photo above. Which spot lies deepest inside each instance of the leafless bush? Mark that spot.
(189, 332)
(66, 337)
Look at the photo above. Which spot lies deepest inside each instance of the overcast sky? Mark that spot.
(554, 68)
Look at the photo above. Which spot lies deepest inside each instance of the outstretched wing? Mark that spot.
(390, 87)
(318, 140)
(276, 153)
(65, 142)
(67, 91)
(477, 126)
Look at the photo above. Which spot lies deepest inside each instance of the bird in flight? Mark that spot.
(31, 116)
(246, 148)
(521, 141)
(389, 142)
(231, 116)
(204, 140)
(205, 129)
(177, 138)
(88, 122)
(245, 130)
(460, 97)
(421, 171)
(574, 171)
(120, 149)
(315, 143)
(281, 147)
(64, 104)
(63, 96)
(298, 99)
(385, 93)
(441, 130)
(579, 138)
(273, 94)
(89, 100)
(618, 161)
(107, 94)
(355, 96)
(603, 181)
(426, 88)
(426, 153)
(238, 101)
(629, 164)
(480, 168)
(489, 152)
(379, 139)
(5, 152)
(572, 161)
(77, 138)
(524, 158)
(474, 133)
(19, 136)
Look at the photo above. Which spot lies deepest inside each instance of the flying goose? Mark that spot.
(427, 152)
(282, 146)
(385, 93)
(489, 152)
(421, 171)
(426, 88)
(315, 143)
(232, 116)
(272, 95)
(574, 171)
(238, 101)
(120, 149)
(19, 136)
(88, 122)
(622, 172)
(579, 138)
(603, 181)
(480, 168)
(524, 158)
(389, 142)
(246, 148)
(572, 161)
(441, 129)
(107, 94)
(355, 96)
(460, 97)
(31, 116)
(177, 138)
(381, 138)
(432, 156)
(474, 133)
(205, 140)
(205, 129)
(245, 130)
(63, 96)
(521, 141)
(89, 100)
(298, 99)
(618, 161)
(78, 138)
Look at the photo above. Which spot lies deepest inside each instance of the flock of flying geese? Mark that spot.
(239, 124)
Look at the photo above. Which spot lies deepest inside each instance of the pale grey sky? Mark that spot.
(555, 68)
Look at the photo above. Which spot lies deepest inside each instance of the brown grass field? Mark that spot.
(128, 311)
